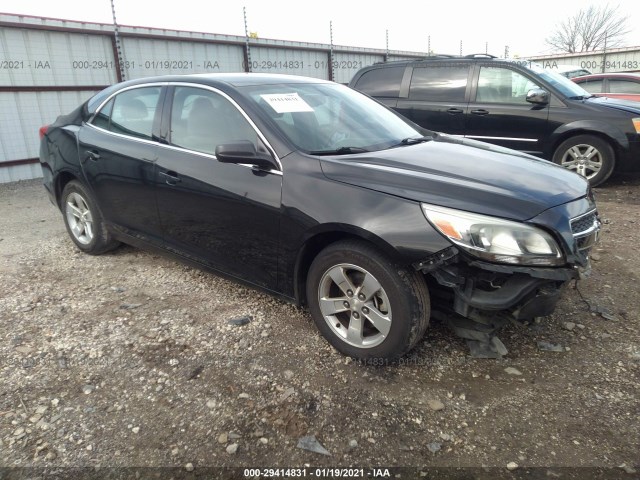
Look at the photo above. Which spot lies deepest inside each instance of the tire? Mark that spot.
(395, 298)
(587, 155)
(84, 221)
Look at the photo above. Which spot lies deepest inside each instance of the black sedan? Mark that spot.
(322, 196)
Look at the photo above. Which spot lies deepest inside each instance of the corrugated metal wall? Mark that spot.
(614, 60)
(49, 66)
(145, 57)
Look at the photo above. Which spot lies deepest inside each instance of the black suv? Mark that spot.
(512, 103)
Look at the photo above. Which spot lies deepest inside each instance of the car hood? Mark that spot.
(616, 103)
(463, 174)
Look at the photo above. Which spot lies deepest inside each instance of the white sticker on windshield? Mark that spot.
(287, 102)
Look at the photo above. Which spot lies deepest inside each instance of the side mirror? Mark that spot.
(243, 151)
(538, 96)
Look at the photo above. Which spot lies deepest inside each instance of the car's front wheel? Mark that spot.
(84, 221)
(366, 306)
(587, 155)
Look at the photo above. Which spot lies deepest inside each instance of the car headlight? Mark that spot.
(636, 124)
(494, 239)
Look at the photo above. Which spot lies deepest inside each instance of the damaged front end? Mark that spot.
(500, 271)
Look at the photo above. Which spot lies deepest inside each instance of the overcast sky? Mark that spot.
(522, 26)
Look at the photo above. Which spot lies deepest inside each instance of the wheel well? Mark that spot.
(61, 182)
(313, 247)
(575, 133)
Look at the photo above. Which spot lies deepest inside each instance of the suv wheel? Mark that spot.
(84, 221)
(363, 304)
(587, 155)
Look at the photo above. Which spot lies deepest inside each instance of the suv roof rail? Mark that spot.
(480, 55)
(419, 59)
(439, 55)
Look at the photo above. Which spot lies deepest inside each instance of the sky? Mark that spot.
(522, 26)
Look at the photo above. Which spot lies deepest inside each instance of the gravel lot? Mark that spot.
(129, 359)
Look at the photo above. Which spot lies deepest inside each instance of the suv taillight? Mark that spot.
(43, 131)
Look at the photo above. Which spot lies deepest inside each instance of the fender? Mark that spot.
(320, 237)
(594, 127)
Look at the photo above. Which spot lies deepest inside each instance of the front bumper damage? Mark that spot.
(476, 298)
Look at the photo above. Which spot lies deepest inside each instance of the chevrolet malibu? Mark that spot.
(319, 195)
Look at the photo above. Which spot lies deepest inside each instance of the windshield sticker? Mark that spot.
(287, 103)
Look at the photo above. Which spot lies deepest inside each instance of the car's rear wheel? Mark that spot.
(84, 221)
(364, 305)
(587, 155)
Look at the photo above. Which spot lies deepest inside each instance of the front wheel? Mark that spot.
(84, 221)
(363, 304)
(587, 155)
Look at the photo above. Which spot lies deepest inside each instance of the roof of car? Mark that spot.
(635, 76)
(235, 79)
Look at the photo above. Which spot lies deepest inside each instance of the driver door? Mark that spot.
(226, 216)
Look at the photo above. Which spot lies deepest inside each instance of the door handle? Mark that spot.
(454, 110)
(480, 111)
(92, 155)
(170, 177)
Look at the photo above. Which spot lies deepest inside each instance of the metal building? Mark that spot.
(49, 66)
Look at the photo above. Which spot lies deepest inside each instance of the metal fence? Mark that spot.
(49, 66)
(613, 60)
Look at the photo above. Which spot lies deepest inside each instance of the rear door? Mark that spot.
(500, 114)
(118, 154)
(438, 96)
(226, 216)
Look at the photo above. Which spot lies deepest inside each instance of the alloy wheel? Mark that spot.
(354, 305)
(79, 218)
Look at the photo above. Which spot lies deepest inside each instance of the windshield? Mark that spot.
(325, 118)
(559, 82)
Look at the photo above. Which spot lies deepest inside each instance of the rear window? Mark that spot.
(439, 83)
(381, 82)
(623, 86)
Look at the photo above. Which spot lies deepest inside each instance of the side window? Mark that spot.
(103, 117)
(381, 82)
(502, 85)
(439, 82)
(201, 120)
(134, 111)
(623, 86)
(593, 86)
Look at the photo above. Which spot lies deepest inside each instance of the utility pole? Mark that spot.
(604, 54)
(331, 71)
(386, 54)
(247, 48)
(119, 57)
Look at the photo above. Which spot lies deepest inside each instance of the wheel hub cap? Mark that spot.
(354, 305)
(585, 160)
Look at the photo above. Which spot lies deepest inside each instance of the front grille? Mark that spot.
(583, 223)
(585, 229)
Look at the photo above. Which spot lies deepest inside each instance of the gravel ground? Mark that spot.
(129, 360)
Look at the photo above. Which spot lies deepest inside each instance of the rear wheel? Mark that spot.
(364, 305)
(84, 221)
(587, 155)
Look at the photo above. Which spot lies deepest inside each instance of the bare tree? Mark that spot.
(590, 29)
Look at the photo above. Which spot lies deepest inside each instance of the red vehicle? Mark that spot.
(614, 85)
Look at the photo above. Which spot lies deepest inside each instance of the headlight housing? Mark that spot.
(495, 239)
(636, 124)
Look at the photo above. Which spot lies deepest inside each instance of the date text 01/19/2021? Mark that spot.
(323, 472)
